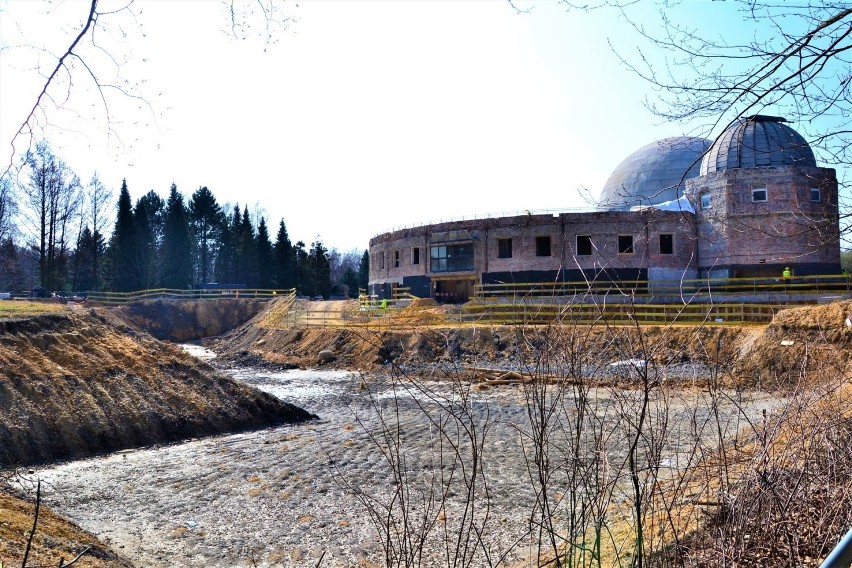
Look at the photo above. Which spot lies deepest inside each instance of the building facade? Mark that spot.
(749, 204)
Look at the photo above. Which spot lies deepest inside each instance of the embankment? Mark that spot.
(181, 320)
(74, 384)
(769, 356)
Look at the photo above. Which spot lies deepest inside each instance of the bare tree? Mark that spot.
(52, 198)
(7, 208)
(93, 60)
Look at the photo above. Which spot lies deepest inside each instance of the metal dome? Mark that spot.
(654, 173)
(755, 142)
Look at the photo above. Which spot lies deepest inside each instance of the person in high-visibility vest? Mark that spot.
(787, 273)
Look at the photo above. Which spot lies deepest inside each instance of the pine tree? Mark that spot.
(176, 250)
(246, 252)
(364, 271)
(264, 255)
(350, 279)
(320, 270)
(226, 259)
(148, 222)
(284, 273)
(302, 271)
(206, 220)
(85, 262)
(122, 243)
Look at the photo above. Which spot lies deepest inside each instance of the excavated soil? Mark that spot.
(181, 320)
(74, 384)
(85, 382)
(754, 356)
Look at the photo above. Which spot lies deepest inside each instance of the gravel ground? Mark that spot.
(286, 496)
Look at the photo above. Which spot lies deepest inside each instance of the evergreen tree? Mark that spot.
(246, 252)
(148, 223)
(320, 270)
(226, 259)
(284, 273)
(122, 244)
(350, 279)
(176, 249)
(364, 270)
(85, 261)
(206, 220)
(264, 256)
(303, 278)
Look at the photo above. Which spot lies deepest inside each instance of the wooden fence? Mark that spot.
(115, 298)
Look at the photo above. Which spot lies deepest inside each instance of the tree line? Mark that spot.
(54, 234)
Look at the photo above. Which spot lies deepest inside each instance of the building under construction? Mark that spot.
(750, 204)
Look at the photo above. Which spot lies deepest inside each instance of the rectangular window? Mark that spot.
(584, 245)
(396, 259)
(758, 194)
(504, 248)
(452, 258)
(382, 260)
(666, 244)
(625, 244)
(706, 200)
(542, 246)
(415, 255)
(815, 194)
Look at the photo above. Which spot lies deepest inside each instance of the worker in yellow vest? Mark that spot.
(786, 275)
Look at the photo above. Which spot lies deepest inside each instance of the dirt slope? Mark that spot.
(765, 355)
(72, 384)
(178, 320)
(490, 346)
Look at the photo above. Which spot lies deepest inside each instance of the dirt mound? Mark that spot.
(74, 384)
(768, 356)
(180, 320)
(500, 347)
(799, 341)
(55, 538)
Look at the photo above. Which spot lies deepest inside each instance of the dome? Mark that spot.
(755, 142)
(654, 173)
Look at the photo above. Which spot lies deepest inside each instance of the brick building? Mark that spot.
(750, 204)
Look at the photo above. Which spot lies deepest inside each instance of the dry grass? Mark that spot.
(24, 308)
(55, 538)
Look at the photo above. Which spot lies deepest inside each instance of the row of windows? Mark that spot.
(759, 194)
(584, 245)
(459, 258)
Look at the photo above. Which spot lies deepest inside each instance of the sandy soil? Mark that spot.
(285, 496)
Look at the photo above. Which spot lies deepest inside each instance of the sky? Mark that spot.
(357, 118)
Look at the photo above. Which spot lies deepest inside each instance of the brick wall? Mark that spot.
(787, 228)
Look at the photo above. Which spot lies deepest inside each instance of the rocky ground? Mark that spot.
(289, 496)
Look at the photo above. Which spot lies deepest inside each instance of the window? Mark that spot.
(625, 244)
(758, 194)
(504, 248)
(666, 244)
(452, 258)
(415, 255)
(382, 260)
(584, 245)
(815, 194)
(706, 200)
(542, 246)
(396, 259)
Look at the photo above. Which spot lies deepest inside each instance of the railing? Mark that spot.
(174, 294)
(838, 284)
(413, 317)
(620, 313)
